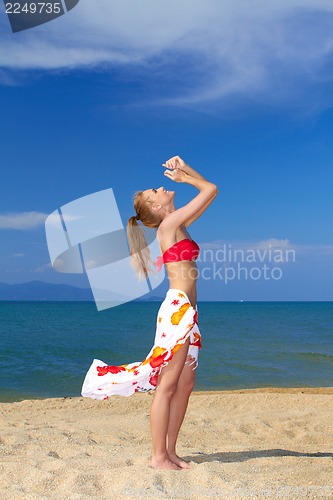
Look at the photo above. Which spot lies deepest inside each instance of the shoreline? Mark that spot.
(283, 390)
(256, 390)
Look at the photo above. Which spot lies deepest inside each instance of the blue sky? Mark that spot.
(102, 96)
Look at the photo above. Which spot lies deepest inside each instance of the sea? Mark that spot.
(46, 348)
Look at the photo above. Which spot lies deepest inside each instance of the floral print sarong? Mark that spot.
(176, 322)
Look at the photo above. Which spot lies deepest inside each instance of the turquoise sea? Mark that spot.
(47, 347)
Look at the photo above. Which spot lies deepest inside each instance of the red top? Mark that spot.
(182, 250)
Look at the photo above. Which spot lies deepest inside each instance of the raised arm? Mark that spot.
(196, 216)
(190, 212)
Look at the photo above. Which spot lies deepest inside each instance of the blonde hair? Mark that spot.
(139, 250)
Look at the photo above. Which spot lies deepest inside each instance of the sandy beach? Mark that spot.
(264, 443)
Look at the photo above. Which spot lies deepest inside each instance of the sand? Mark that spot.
(265, 443)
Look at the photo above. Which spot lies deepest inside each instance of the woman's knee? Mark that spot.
(167, 388)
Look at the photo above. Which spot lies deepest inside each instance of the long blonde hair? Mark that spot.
(139, 250)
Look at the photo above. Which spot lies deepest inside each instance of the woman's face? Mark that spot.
(159, 196)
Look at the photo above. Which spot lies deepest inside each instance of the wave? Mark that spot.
(313, 356)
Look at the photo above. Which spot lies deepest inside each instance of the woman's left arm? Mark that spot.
(189, 221)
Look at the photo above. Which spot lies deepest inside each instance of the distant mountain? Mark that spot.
(39, 290)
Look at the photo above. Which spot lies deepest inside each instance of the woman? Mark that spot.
(170, 366)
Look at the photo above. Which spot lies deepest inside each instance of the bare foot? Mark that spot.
(179, 461)
(164, 464)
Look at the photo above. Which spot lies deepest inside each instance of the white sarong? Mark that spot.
(176, 321)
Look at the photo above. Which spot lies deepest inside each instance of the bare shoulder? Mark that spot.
(168, 236)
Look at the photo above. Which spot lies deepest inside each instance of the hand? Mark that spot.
(175, 162)
(176, 175)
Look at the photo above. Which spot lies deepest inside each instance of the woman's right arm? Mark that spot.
(190, 212)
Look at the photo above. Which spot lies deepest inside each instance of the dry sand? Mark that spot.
(266, 443)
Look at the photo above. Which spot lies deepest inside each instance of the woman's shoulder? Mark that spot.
(168, 237)
(165, 237)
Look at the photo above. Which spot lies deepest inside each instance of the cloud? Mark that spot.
(274, 243)
(22, 220)
(281, 250)
(200, 51)
(263, 244)
(53, 219)
(315, 253)
(7, 79)
(42, 268)
(269, 243)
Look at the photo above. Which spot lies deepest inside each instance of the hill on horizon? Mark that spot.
(43, 291)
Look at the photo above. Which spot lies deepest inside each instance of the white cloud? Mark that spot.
(22, 220)
(220, 48)
(317, 251)
(272, 250)
(7, 79)
(274, 243)
(53, 218)
(263, 244)
(273, 246)
(43, 268)
(19, 254)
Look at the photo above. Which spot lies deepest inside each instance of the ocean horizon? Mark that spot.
(46, 347)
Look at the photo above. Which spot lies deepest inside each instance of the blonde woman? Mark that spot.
(169, 368)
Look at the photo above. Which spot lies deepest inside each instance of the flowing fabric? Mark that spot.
(176, 321)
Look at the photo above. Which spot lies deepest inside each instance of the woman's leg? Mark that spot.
(160, 409)
(178, 408)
